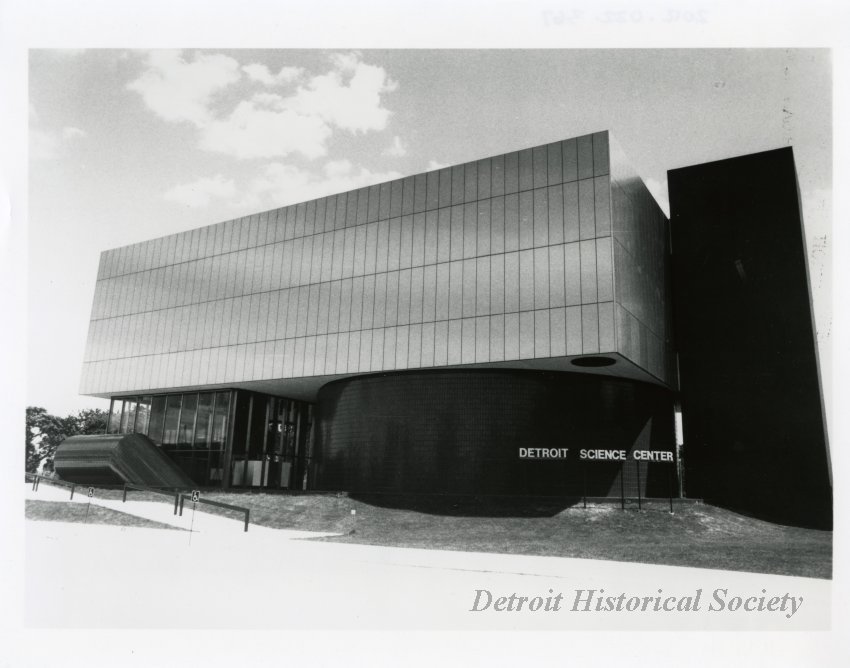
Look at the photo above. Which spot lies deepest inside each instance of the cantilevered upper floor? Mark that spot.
(536, 259)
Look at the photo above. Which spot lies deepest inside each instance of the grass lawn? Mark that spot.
(62, 511)
(695, 535)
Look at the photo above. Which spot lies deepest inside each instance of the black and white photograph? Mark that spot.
(344, 347)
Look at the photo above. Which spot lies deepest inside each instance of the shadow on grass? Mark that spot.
(471, 506)
(63, 511)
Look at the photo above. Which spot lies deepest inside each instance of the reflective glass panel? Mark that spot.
(203, 426)
(157, 418)
(143, 413)
(172, 417)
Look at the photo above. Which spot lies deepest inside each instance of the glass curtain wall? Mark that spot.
(190, 427)
(272, 436)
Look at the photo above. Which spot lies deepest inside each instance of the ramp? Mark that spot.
(113, 459)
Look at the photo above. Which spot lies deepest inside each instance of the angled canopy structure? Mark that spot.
(110, 459)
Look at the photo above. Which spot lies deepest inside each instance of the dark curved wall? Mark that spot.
(459, 432)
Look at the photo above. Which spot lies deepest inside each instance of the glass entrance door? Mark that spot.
(281, 441)
(268, 442)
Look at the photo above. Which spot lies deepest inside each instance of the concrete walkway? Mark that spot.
(102, 576)
(203, 521)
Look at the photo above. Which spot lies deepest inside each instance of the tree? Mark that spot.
(45, 432)
(91, 421)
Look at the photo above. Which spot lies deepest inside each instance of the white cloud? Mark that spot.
(270, 125)
(267, 125)
(261, 73)
(434, 165)
(397, 149)
(263, 127)
(69, 133)
(281, 184)
(349, 96)
(177, 90)
(201, 192)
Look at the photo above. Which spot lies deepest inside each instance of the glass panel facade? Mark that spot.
(270, 438)
(113, 424)
(157, 419)
(172, 419)
(203, 424)
(128, 416)
(143, 408)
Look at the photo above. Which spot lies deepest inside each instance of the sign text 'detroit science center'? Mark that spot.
(586, 454)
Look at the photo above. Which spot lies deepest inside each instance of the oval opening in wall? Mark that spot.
(593, 361)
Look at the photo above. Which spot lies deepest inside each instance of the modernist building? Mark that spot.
(497, 327)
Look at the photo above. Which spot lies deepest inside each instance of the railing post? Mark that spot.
(622, 488)
(670, 489)
(247, 514)
(637, 463)
(176, 497)
(124, 498)
(584, 482)
(73, 487)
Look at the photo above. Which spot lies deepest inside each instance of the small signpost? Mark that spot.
(88, 505)
(196, 496)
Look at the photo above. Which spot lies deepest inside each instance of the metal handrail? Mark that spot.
(37, 478)
(179, 497)
(218, 504)
(128, 485)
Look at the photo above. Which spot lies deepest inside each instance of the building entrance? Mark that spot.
(271, 444)
(229, 438)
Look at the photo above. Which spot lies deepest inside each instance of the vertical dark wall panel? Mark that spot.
(752, 411)
(459, 432)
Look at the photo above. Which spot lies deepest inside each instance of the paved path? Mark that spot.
(82, 575)
(201, 522)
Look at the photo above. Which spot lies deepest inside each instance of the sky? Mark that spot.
(127, 145)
